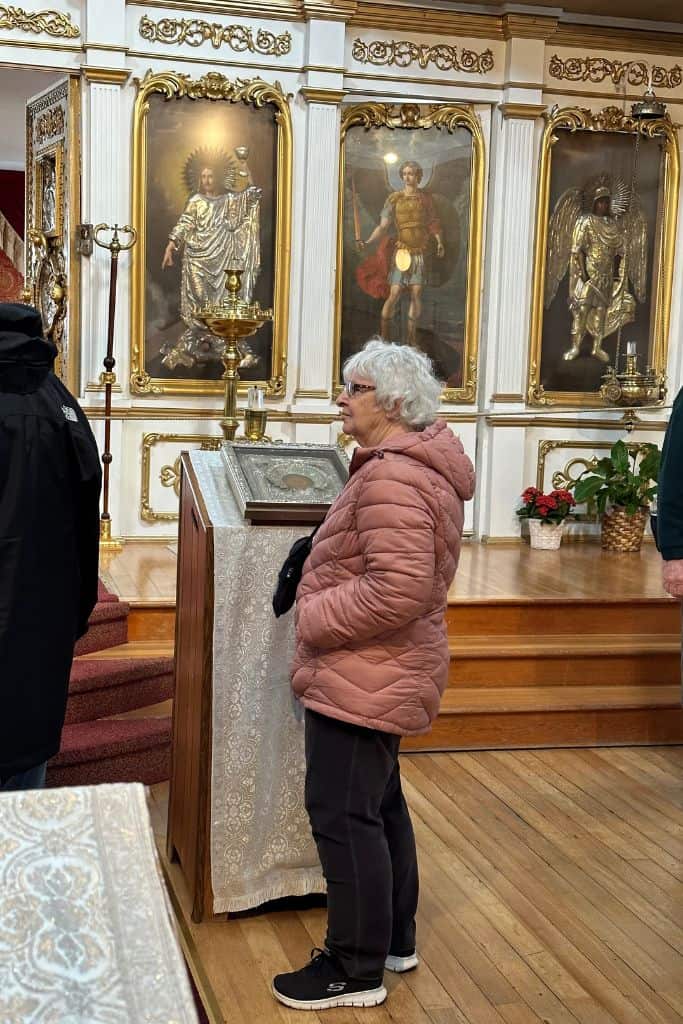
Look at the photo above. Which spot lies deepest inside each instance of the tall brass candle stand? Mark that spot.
(108, 378)
(233, 319)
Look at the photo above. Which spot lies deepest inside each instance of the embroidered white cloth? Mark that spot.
(261, 842)
(85, 934)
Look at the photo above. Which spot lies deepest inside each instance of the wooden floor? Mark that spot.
(145, 573)
(552, 891)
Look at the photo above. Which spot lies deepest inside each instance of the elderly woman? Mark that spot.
(371, 664)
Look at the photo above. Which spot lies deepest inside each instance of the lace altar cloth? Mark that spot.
(85, 932)
(261, 842)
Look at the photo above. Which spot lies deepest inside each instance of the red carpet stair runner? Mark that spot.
(96, 746)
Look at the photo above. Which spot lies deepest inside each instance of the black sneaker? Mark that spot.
(323, 983)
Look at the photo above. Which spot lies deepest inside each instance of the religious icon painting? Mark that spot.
(410, 235)
(605, 237)
(212, 173)
(48, 183)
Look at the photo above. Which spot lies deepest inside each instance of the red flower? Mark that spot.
(529, 494)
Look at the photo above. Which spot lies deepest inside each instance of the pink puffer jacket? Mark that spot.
(371, 639)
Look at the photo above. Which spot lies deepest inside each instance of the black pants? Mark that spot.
(365, 840)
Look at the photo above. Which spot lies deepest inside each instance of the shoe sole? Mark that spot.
(373, 997)
(401, 964)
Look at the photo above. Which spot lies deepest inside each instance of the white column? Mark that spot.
(319, 255)
(511, 240)
(105, 200)
(322, 94)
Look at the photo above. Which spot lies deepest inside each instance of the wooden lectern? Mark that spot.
(236, 820)
(189, 819)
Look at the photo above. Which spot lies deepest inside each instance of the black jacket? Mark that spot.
(670, 487)
(49, 537)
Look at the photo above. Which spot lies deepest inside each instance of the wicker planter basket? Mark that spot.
(622, 532)
(546, 536)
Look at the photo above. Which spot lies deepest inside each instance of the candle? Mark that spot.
(256, 398)
(631, 348)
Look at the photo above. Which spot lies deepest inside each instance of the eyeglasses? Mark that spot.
(352, 389)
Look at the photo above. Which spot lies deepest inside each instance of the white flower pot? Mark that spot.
(547, 536)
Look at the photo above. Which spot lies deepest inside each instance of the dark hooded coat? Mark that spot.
(49, 533)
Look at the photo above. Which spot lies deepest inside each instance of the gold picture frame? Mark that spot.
(567, 122)
(256, 94)
(411, 117)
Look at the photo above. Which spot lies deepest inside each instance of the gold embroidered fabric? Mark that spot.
(85, 936)
(261, 842)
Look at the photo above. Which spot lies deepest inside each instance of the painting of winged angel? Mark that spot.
(598, 234)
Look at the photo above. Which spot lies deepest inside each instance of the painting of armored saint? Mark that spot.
(406, 235)
(210, 200)
(605, 215)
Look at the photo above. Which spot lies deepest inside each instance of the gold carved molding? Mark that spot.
(195, 32)
(402, 53)
(317, 95)
(105, 76)
(523, 111)
(51, 23)
(597, 69)
(445, 117)
(609, 119)
(629, 421)
(329, 10)
(49, 124)
(528, 26)
(166, 475)
(592, 37)
(383, 15)
(506, 397)
(565, 476)
(212, 86)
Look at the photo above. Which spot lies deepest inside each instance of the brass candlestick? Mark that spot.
(108, 377)
(631, 387)
(233, 319)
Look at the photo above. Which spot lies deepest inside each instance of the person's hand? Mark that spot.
(672, 577)
(439, 248)
(168, 256)
(360, 244)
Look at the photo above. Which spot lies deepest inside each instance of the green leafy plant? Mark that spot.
(624, 479)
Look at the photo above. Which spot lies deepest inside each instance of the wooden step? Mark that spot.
(565, 659)
(527, 717)
(510, 617)
(150, 621)
(133, 649)
(513, 700)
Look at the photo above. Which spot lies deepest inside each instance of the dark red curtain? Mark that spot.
(12, 199)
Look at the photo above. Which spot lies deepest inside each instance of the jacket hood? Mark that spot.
(26, 357)
(436, 447)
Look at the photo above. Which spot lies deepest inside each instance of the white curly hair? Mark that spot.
(402, 375)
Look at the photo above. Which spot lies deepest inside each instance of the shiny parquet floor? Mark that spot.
(145, 573)
(552, 891)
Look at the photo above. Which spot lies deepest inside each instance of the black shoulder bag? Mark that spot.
(290, 574)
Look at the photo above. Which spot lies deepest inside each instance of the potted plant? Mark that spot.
(546, 514)
(621, 487)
